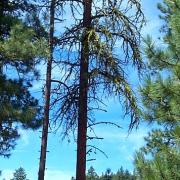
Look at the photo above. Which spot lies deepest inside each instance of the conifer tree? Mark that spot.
(19, 174)
(44, 138)
(19, 48)
(91, 174)
(161, 99)
(121, 174)
(93, 66)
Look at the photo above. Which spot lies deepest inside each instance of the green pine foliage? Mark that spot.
(20, 51)
(22, 45)
(19, 174)
(164, 163)
(160, 157)
(17, 106)
(91, 174)
(121, 174)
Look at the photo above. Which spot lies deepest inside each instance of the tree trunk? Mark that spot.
(44, 138)
(83, 95)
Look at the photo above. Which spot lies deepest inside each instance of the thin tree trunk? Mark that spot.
(44, 138)
(83, 95)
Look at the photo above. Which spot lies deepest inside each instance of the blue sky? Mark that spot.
(61, 160)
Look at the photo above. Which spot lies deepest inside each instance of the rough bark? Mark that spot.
(44, 138)
(83, 95)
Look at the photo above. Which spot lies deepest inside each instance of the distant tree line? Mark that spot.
(121, 174)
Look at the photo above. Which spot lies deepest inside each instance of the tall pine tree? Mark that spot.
(44, 138)
(94, 69)
(161, 99)
(19, 49)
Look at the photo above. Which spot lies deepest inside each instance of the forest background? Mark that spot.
(61, 160)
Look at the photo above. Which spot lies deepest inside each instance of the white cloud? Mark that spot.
(115, 134)
(24, 137)
(56, 174)
(7, 174)
(130, 158)
(37, 87)
(134, 140)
